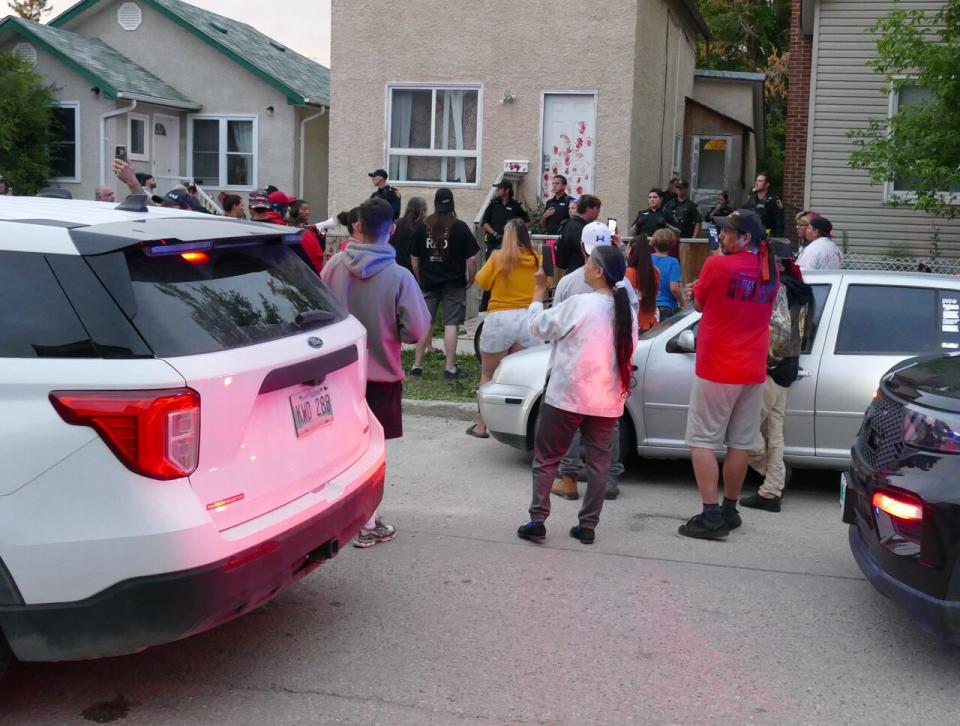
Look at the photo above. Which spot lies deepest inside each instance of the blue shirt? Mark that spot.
(669, 272)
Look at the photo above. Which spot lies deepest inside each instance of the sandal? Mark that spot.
(472, 431)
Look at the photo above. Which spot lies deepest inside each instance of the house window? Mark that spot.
(138, 140)
(906, 97)
(433, 134)
(223, 151)
(65, 144)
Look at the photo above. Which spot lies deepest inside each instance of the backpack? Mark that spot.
(780, 328)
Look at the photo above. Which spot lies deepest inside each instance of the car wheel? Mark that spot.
(6, 656)
(476, 340)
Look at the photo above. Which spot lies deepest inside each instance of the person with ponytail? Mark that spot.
(591, 372)
(645, 278)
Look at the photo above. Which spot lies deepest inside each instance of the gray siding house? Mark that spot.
(843, 94)
(192, 95)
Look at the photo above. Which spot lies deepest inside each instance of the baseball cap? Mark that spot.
(179, 197)
(595, 234)
(504, 184)
(443, 200)
(682, 183)
(281, 198)
(379, 172)
(743, 220)
(258, 199)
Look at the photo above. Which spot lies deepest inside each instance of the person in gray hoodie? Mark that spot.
(386, 299)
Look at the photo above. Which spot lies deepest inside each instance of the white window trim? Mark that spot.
(147, 133)
(75, 105)
(889, 193)
(388, 151)
(223, 118)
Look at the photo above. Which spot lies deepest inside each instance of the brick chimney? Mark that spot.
(798, 114)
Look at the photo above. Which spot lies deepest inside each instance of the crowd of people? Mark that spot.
(396, 272)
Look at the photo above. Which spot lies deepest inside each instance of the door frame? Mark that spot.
(695, 161)
(543, 103)
(157, 117)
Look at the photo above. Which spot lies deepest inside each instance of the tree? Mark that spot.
(25, 122)
(919, 146)
(754, 36)
(30, 9)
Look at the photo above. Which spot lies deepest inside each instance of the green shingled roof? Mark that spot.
(114, 74)
(300, 79)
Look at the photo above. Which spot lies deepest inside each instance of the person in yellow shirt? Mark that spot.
(508, 275)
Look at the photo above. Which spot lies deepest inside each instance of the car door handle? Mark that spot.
(804, 374)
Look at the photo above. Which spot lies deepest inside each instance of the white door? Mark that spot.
(166, 151)
(569, 141)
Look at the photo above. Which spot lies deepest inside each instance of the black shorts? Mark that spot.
(384, 400)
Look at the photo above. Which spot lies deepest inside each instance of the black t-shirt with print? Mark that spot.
(438, 269)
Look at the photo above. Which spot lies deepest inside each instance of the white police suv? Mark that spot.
(184, 429)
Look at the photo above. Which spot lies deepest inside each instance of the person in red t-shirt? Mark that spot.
(735, 292)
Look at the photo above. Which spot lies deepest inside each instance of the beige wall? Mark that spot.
(729, 97)
(488, 43)
(316, 173)
(206, 76)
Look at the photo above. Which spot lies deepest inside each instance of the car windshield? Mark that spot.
(665, 324)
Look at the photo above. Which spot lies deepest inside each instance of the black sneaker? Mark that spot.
(699, 528)
(453, 375)
(416, 372)
(584, 534)
(756, 501)
(532, 531)
(612, 492)
(732, 518)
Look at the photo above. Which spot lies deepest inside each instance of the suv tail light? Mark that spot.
(154, 433)
(923, 431)
(899, 518)
(898, 505)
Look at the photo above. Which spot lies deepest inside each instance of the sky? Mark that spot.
(303, 25)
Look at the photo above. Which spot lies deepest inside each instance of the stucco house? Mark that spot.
(191, 94)
(455, 94)
(833, 90)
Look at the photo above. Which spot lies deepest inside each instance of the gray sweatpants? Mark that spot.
(555, 430)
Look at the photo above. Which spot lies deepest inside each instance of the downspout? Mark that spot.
(303, 146)
(103, 135)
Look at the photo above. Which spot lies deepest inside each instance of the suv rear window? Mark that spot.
(186, 302)
(36, 319)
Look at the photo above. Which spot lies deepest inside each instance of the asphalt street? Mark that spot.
(460, 622)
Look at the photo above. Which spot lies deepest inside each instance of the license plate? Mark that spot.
(843, 490)
(312, 409)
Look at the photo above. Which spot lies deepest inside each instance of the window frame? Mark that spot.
(77, 177)
(147, 128)
(889, 193)
(223, 118)
(389, 151)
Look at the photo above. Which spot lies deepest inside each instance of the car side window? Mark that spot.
(36, 319)
(889, 320)
(810, 327)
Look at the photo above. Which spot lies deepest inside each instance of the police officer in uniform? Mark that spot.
(500, 211)
(387, 193)
(682, 212)
(767, 205)
(556, 210)
(652, 218)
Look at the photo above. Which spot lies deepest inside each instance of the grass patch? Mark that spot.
(433, 386)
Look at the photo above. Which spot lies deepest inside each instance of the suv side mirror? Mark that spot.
(687, 342)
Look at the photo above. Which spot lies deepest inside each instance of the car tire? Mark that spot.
(628, 448)
(476, 340)
(6, 656)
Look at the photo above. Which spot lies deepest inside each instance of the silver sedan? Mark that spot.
(865, 322)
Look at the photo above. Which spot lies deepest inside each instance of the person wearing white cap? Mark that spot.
(595, 234)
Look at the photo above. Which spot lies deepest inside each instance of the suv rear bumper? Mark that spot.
(138, 613)
(940, 616)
